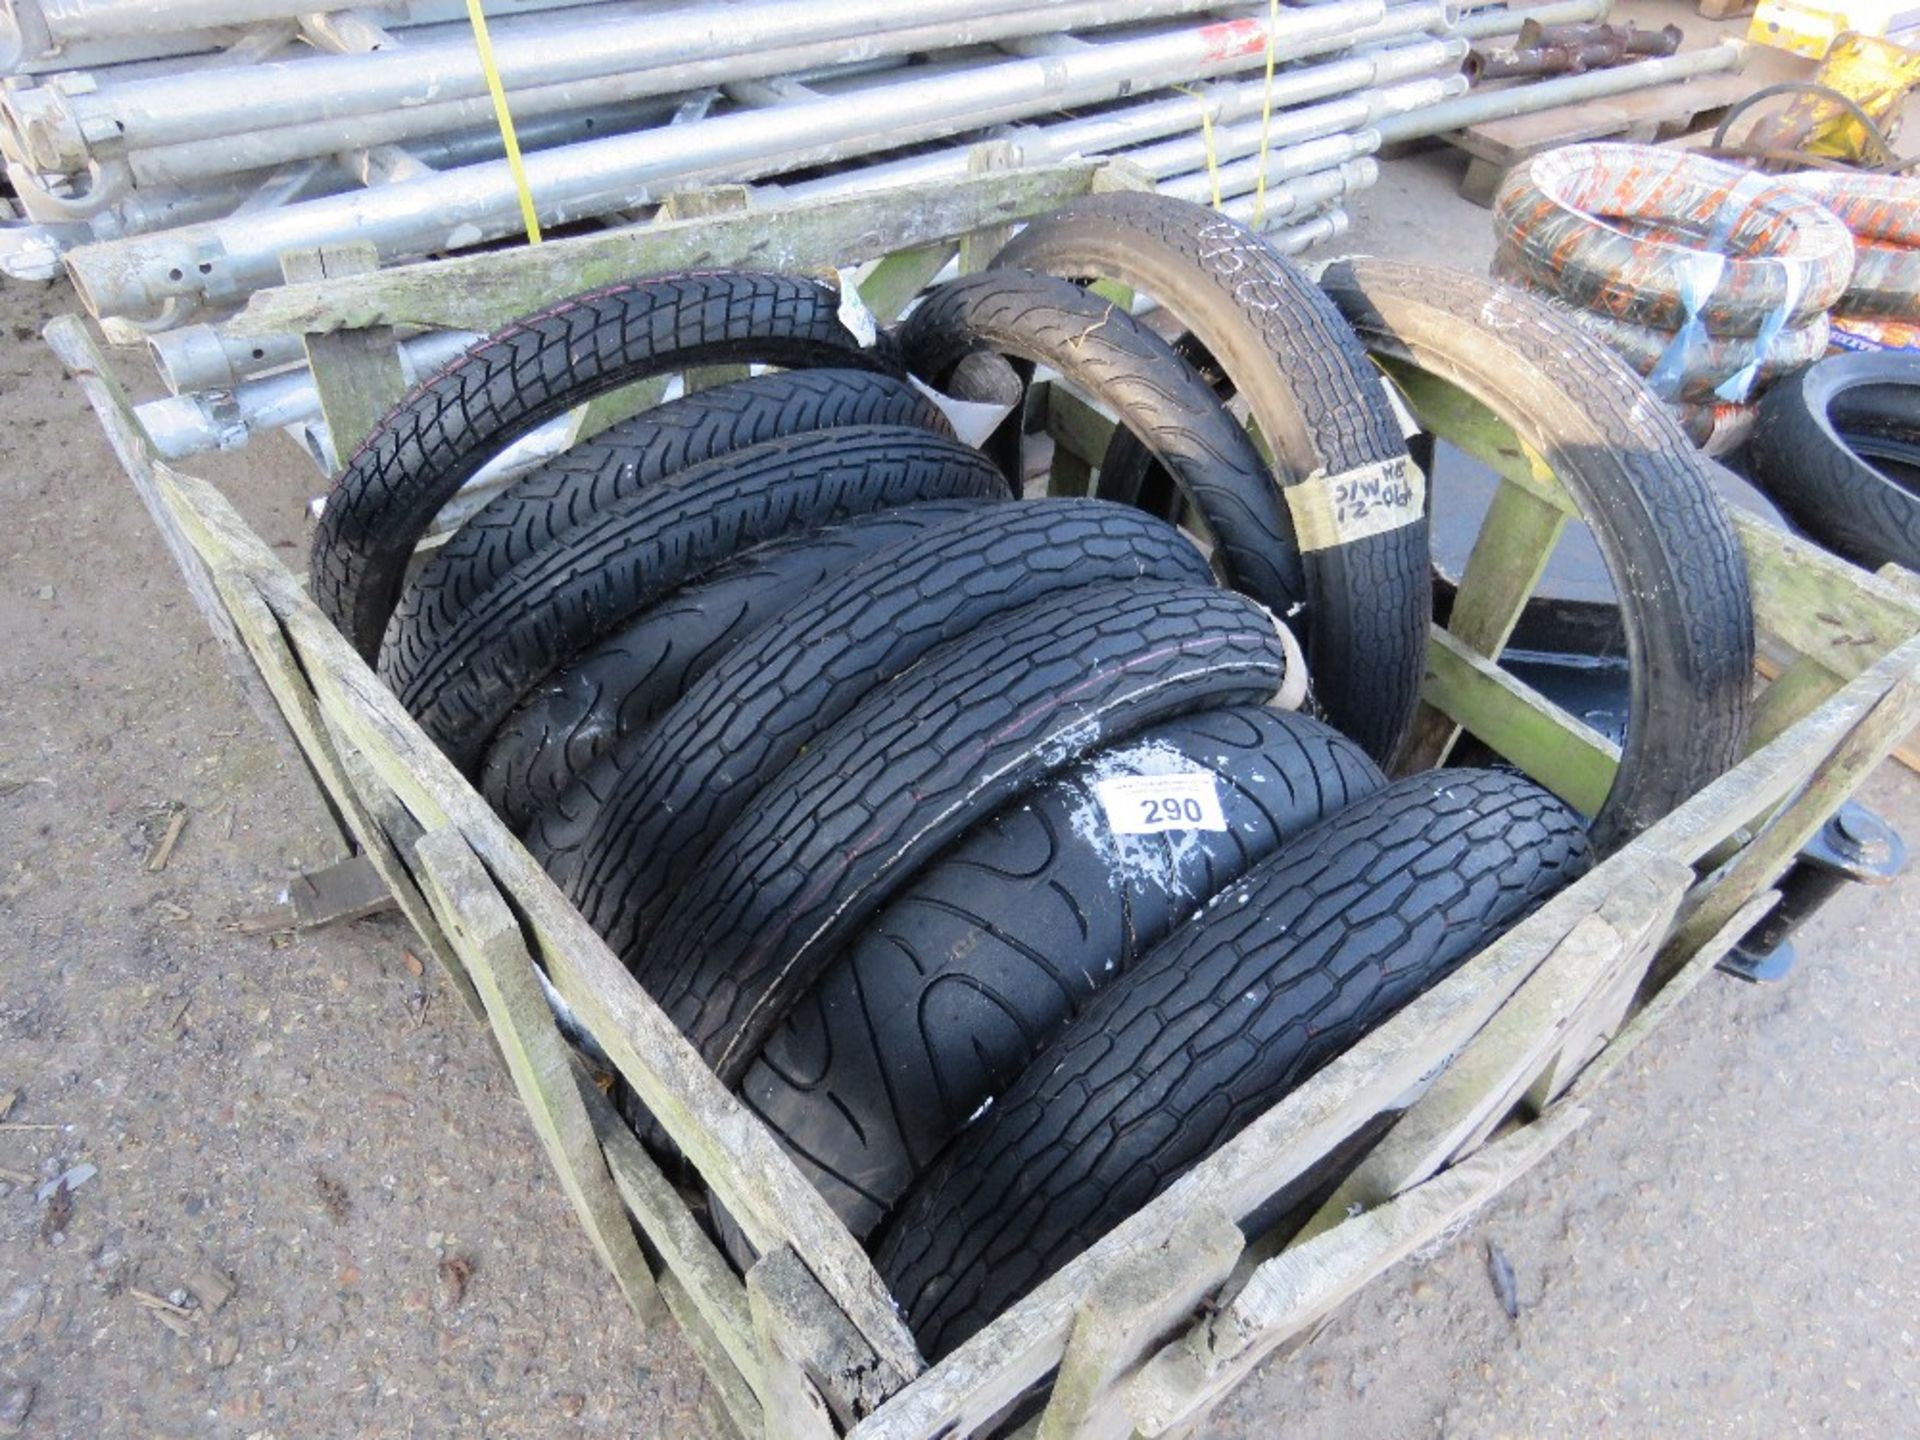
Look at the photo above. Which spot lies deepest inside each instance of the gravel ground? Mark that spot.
(1728, 1249)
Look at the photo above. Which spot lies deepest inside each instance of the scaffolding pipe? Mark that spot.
(465, 207)
(1483, 105)
(658, 52)
(1485, 24)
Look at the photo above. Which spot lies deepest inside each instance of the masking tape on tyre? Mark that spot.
(1369, 499)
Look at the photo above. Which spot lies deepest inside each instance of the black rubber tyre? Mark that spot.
(920, 760)
(1644, 491)
(626, 681)
(516, 379)
(556, 603)
(1280, 974)
(1111, 357)
(1838, 445)
(949, 991)
(636, 827)
(625, 459)
(1319, 406)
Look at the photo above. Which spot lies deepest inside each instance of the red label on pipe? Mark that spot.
(1230, 38)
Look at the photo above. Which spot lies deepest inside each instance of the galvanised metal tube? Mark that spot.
(1305, 234)
(69, 20)
(1243, 176)
(1151, 119)
(1485, 24)
(1290, 126)
(671, 48)
(184, 425)
(1304, 193)
(1483, 105)
(589, 107)
(480, 202)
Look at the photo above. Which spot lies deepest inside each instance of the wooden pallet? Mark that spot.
(1656, 113)
(1149, 1327)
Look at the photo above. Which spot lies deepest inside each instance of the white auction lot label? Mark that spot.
(1150, 804)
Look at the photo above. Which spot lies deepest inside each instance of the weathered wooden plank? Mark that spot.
(895, 279)
(818, 1373)
(488, 938)
(671, 1229)
(1560, 751)
(69, 339)
(1818, 605)
(481, 292)
(753, 1176)
(1793, 693)
(1515, 542)
(1685, 972)
(1450, 413)
(356, 372)
(352, 799)
(1076, 426)
(1297, 1288)
(1499, 1065)
(1130, 1310)
(1833, 774)
(968, 1386)
(739, 1407)
(978, 247)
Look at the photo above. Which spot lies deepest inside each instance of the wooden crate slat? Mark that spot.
(481, 292)
(713, 1287)
(818, 1374)
(356, 372)
(753, 1176)
(1449, 412)
(1500, 1064)
(1509, 555)
(1560, 751)
(488, 938)
(896, 279)
(1297, 1288)
(968, 1386)
(1076, 426)
(1131, 1309)
(1820, 606)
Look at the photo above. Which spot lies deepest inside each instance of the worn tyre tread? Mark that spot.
(455, 420)
(948, 992)
(1275, 977)
(976, 722)
(636, 825)
(629, 679)
(1320, 407)
(628, 457)
(559, 601)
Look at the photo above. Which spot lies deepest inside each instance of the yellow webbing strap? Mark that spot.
(484, 44)
(1206, 136)
(1266, 122)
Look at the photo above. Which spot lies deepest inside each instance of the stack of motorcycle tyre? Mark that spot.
(1007, 855)
(1708, 280)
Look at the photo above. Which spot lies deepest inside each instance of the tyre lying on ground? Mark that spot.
(1838, 446)
(1279, 974)
(949, 991)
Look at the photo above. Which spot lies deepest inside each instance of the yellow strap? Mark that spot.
(484, 43)
(1266, 121)
(1206, 135)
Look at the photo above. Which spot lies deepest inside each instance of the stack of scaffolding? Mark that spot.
(168, 154)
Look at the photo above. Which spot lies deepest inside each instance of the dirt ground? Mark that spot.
(1727, 1250)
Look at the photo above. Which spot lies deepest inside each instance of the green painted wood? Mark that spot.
(1561, 752)
(1515, 542)
(1791, 695)
(895, 279)
(481, 292)
(1818, 605)
(1447, 411)
(978, 247)
(1076, 426)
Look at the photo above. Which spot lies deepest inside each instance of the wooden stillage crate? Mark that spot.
(1148, 1328)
